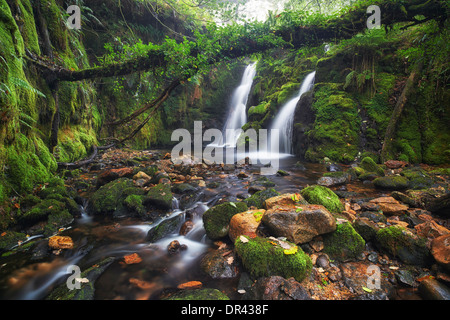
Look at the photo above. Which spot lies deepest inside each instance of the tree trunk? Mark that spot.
(386, 151)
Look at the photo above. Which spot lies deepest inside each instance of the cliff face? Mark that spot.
(28, 105)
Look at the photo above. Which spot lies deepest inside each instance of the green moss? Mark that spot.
(262, 258)
(216, 219)
(41, 212)
(57, 220)
(135, 202)
(323, 196)
(344, 243)
(391, 182)
(258, 198)
(404, 245)
(109, 199)
(160, 196)
(369, 165)
(287, 92)
(11, 239)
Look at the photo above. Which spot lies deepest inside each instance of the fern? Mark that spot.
(17, 82)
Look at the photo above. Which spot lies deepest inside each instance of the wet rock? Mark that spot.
(160, 196)
(175, 247)
(87, 287)
(183, 188)
(113, 174)
(431, 289)
(391, 183)
(109, 199)
(165, 228)
(395, 164)
(186, 227)
(431, 229)
(323, 261)
(299, 224)
(220, 264)
(216, 220)
(289, 199)
(366, 228)
(334, 179)
(245, 223)
(406, 277)
(403, 244)
(333, 167)
(440, 249)
(60, 242)
(374, 216)
(282, 173)
(277, 288)
(390, 206)
(141, 175)
(258, 198)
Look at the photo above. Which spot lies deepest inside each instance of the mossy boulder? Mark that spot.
(417, 178)
(263, 257)
(217, 219)
(199, 294)
(324, 196)
(160, 196)
(109, 199)
(166, 227)
(404, 245)
(41, 212)
(10, 239)
(57, 220)
(369, 165)
(391, 182)
(258, 198)
(344, 243)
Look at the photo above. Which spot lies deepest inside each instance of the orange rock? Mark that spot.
(245, 223)
(60, 242)
(440, 249)
(430, 229)
(190, 285)
(132, 258)
(390, 206)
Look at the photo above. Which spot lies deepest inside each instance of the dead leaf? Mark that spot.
(132, 258)
(243, 239)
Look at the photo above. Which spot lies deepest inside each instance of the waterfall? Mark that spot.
(237, 116)
(284, 121)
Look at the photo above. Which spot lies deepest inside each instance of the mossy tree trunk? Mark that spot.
(387, 149)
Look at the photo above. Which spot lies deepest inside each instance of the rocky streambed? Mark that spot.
(133, 225)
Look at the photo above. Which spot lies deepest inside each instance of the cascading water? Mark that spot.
(237, 116)
(284, 121)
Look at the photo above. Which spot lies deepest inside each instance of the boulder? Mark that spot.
(344, 243)
(220, 264)
(370, 166)
(113, 174)
(440, 249)
(391, 183)
(395, 164)
(288, 199)
(165, 228)
(334, 179)
(258, 198)
(299, 224)
(323, 196)
(390, 206)
(245, 223)
(404, 245)
(431, 229)
(160, 196)
(216, 220)
(264, 257)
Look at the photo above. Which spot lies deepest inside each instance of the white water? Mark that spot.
(284, 121)
(237, 116)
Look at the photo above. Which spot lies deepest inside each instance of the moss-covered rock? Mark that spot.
(403, 244)
(10, 239)
(160, 196)
(324, 196)
(391, 182)
(369, 165)
(109, 199)
(344, 243)
(217, 219)
(165, 228)
(57, 220)
(258, 198)
(263, 257)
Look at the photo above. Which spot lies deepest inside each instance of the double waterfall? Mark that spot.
(284, 121)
